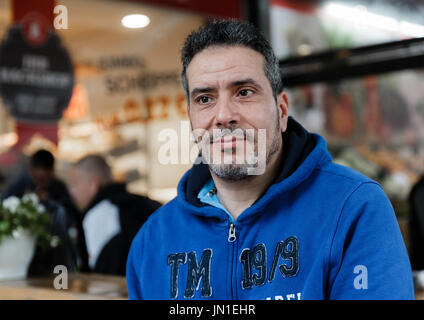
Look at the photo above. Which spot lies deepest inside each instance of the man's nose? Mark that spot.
(226, 113)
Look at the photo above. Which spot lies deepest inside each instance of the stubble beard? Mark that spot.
(242, 171)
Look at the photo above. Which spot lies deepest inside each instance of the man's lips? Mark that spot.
(228, 142)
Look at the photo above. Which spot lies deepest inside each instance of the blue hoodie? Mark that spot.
(320, 231)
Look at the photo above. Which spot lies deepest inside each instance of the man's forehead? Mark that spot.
(227, 62)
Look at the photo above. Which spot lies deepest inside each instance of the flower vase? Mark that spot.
(16, 254)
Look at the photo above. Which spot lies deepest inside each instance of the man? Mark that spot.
(111, 216)
(40, 179)
(302, 228)
(52, 192)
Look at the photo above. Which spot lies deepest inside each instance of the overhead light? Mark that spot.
(135, 21)
(304, 49)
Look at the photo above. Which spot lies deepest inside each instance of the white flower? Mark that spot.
(16, 234)
(30, 197)
(41, 208)
(54, 242)
(12, 203)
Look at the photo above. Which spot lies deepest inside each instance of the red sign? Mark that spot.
(306, 6)
(27, 131)
(35, 27)
(219, 8)
(36, 18)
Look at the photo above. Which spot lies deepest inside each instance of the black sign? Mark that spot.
(36, 81)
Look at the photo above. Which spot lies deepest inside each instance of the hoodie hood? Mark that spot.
(302, 153)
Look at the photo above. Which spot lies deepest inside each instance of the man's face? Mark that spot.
(82, 187)
(41, 177)
(231, 100)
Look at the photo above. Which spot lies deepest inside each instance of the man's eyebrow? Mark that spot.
(244, 82)
(236, 83)
(196, 91)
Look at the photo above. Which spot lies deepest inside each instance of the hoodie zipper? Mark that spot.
(232, 233)
(232, 241)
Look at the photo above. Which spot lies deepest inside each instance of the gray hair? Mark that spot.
(231, 33)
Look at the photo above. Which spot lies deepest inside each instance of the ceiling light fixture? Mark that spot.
(135, 21)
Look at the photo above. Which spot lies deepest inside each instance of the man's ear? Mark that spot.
(283, 110)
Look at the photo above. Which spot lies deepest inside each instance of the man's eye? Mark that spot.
(204, 99)
(245, 92)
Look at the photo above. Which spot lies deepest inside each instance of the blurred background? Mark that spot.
(353, 71)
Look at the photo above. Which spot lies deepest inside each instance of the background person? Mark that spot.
(111, 216)
(39, 178)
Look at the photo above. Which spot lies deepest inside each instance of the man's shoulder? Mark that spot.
(344, 173)
(356, 193)
(342, 182)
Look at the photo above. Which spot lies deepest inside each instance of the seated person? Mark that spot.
(111, 216)
(53, 193)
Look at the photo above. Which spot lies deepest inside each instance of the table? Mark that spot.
(419, 294)
(80, 287)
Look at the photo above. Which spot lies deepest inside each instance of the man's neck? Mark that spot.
(237, 196)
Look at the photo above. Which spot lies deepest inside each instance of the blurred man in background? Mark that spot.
(39, 178)
(111, 216)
